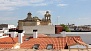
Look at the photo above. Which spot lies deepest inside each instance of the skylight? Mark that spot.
(36, 46)
(49, 46)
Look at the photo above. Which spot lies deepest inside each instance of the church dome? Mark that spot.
(47, 11)
(29, 13)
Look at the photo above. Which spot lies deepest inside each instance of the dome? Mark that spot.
(47, 11)
(29, 13)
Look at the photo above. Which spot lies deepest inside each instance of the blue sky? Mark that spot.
(65, 11)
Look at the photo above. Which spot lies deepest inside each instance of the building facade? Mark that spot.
(8, 26)
(33, 21)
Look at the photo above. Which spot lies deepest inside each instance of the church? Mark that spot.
(33, 21)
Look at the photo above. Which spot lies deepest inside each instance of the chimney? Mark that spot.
(63, 34)
(35, 34)
(20, 38)
(13, 34)
(23, 33)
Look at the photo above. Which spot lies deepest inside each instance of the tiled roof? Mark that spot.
(70, 41)
(79, 41)
(6, 46)
(8, 42)
(58, 43)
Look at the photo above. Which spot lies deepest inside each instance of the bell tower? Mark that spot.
(47, 16)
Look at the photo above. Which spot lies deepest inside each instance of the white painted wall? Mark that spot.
(45, 29)
(1, 31)
(1, 34)
(80, 46)
(5, 30)
(11, 26)
(38, 23)
(77, 46)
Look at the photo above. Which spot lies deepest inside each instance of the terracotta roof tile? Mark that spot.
(45, 41)
(58, 43)
(79, 41)
(8, 39)
(70, 41)
(6, 46)
(8, 42)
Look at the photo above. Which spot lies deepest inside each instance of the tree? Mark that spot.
(65, 28)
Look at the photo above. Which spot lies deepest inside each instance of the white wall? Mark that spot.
(11, 26)
(45, 29)
(38, 23)
(1, 34)
(1, 31)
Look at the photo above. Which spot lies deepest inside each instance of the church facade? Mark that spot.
(33, 21)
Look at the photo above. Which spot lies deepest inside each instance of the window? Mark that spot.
(27, 39)
(36, 46)
(49, 46)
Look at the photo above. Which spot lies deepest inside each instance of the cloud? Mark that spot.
(13, 4)
(85, 18)
(7, 18)
(42, 12)
(41, 4)
(36, 1)
(62, 5)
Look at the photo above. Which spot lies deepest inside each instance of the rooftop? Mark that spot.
(57, 42)
(42, 42)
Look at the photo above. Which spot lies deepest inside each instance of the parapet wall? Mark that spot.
(42, 29)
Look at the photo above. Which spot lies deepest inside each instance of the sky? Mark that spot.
(76, 12)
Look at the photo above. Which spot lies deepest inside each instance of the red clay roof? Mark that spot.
(8, 42)
(6, 46)
(58, 43)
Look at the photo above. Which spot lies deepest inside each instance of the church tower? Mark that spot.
(47, 19)
(33, 21)
(47, 16)
(29, 16)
